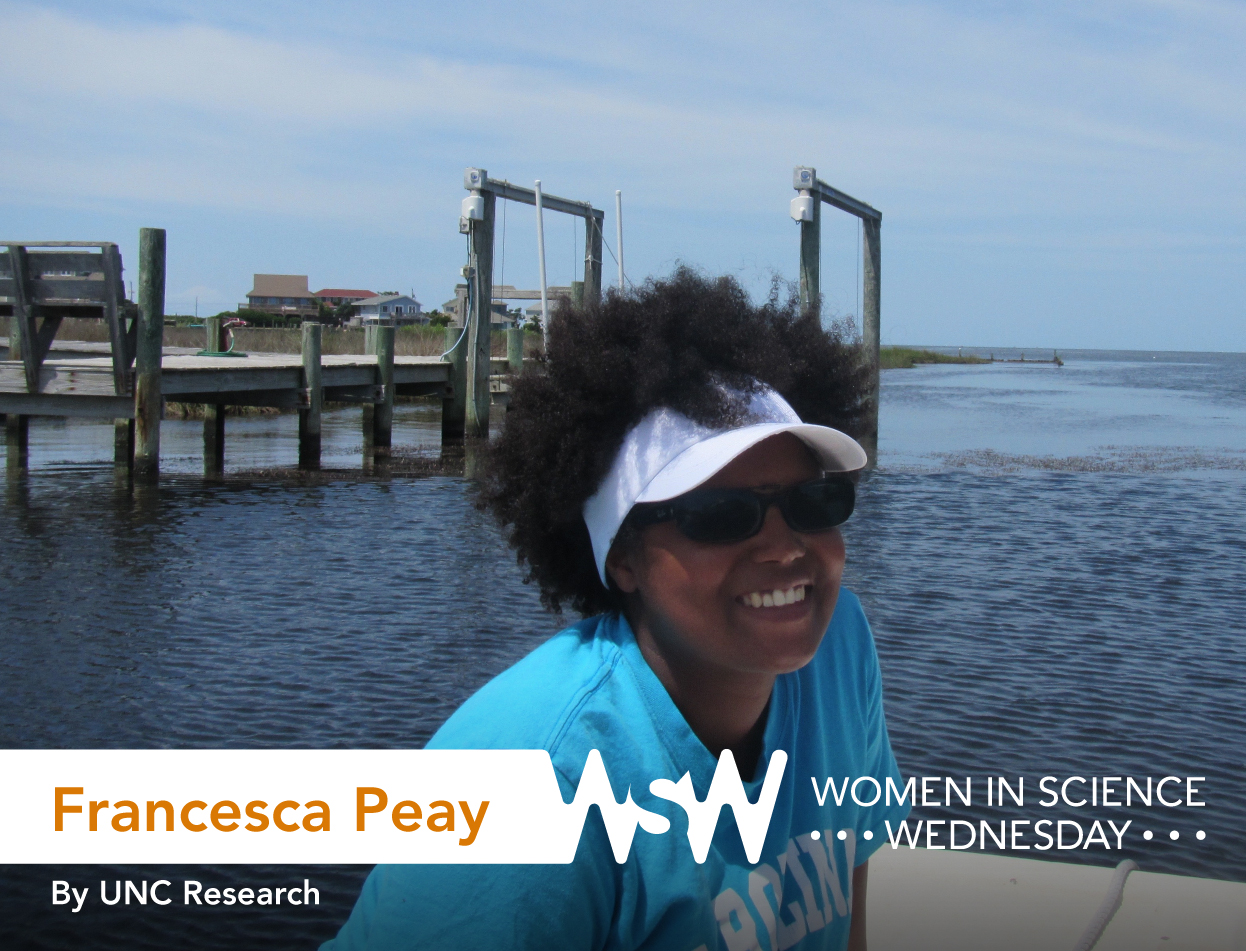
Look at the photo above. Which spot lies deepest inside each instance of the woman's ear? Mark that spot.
(620, 568)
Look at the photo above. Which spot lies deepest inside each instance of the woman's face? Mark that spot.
(695, 601)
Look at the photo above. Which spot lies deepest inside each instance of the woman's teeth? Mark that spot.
(775, 598)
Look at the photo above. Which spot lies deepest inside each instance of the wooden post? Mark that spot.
(17, 441)
(368, 414)
(479, 333)
(454, 406)
(16, 428)
(215, 342)
(592, 258)
(577, 293)
(123, 446)
(514, 348)
(383, 416)
(214, 439)
(149, 346)
(811, 259)
(871, 269)
(309, 416)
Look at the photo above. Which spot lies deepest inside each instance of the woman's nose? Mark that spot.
(776, 541)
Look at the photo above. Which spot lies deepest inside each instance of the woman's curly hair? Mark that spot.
(608, 366)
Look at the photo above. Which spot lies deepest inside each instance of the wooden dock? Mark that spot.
(129, 379)
(76, 379)
(75, 384)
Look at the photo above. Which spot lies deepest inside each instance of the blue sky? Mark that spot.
(1051, 174)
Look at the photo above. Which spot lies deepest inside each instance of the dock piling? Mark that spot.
(16, 426)
(514, 348)
(214, 439)
(17, 441)
(378, 418)
(309, 415)
(148, 356)
(807, 209)
(123, 446)
(871, 274)
(479, 334)
(454, 406)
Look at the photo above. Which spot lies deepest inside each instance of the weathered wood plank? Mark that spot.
(58, 378)
(181, 381)
(68, 290)
(105, 406)
(75, 262)
(426, 373)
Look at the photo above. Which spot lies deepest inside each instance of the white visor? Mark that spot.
(667, 454)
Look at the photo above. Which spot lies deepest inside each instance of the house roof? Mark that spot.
(344, 292)
(280, 285)
(386, 299)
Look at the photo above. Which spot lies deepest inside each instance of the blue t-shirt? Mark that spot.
(588, 688)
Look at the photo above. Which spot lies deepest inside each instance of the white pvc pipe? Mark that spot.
(618, 232)
(540, 251)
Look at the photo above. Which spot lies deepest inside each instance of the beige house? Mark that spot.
(285, 295)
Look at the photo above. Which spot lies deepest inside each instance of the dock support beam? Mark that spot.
(454, 406)
(871, 270)
(148, 401)
(309, 416)
(514, 348)
(807, 209)
(811, 259)
(17, 441)
(478, 223)
(378, 418)
(16, 427)
(123, 447)
(214, 439)
(479, 330)
(592, 257)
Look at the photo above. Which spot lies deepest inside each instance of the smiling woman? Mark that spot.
(656, 477)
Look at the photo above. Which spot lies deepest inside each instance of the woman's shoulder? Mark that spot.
(531, 704)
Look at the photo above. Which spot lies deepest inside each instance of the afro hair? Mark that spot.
(667, 343)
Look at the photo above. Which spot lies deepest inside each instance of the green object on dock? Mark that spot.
(216, 331)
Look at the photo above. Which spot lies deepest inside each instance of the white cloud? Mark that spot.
(1105, 126)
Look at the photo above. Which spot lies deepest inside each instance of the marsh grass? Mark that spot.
(905, 358)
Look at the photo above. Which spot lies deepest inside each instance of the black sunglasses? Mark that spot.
(732, 515)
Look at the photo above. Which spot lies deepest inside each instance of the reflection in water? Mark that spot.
(1032, 618)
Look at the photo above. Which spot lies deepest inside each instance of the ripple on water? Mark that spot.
(1029, 623)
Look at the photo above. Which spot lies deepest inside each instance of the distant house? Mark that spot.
(337, 296)
(284, 295)
(394, 309)
(501, 318)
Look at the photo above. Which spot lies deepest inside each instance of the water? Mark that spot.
(1050, 559)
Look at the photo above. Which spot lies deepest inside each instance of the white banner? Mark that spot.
(334, 806)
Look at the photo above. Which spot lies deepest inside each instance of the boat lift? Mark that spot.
(477, 221)
(806, 208)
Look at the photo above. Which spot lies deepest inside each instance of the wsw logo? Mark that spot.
(726, 789)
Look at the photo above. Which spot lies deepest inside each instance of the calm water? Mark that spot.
(1051, 559)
